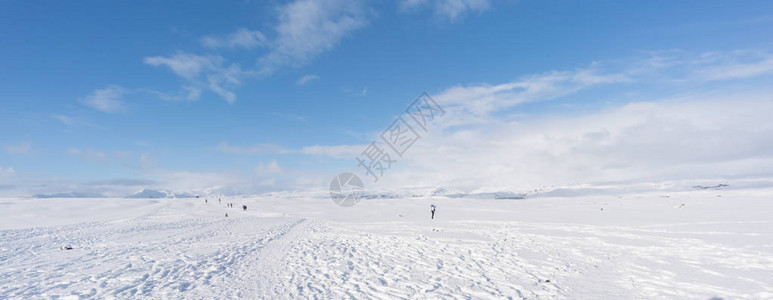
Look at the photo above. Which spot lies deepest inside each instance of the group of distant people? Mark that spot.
(229, 205)
(244, 207)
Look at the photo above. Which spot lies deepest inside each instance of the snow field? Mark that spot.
(304, 246)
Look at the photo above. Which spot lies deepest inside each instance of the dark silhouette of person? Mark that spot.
(244, 207)
(432, 210)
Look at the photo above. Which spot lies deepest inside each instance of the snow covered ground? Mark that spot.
(648, 245)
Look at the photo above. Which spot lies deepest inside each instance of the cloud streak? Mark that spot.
(471, 103)
(88, 155)
(306, 79)
(7, 171)
(482, 144)
(23, 148)
(307, 28)
(448, 10)
(226, 148)
(241, 38)
(696, 137)
(108, 100)
(737, 65)
(336, 151)
(202, 72)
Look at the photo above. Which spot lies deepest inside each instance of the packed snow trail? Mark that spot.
(306, 247)
(139, 257)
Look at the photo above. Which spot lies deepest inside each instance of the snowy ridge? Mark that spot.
(493, 192)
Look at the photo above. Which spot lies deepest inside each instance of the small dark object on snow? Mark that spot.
(714, 187)
(602, 208)
(244, 207)
(548, 280)
(65, 247)
(226, 215)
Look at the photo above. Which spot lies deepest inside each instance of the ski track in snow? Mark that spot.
(183, 258)
(179, 250)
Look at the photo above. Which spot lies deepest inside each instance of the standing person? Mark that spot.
(205, 200)
(432, 210)
(244, 207)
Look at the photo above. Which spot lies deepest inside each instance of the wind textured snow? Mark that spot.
(694, 244)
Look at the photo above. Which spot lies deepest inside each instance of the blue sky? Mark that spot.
(112, 97)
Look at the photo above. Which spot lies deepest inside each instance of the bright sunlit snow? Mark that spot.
(408, 149)
(699, 243)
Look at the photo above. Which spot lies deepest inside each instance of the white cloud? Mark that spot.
(75, 122)
(265, 177)
(187, 65)
(454, 9)
(271, 168)
(208, 72)
(107, 100)
(337, 151)
(696, 137)
(304, 29)
(242, 38)
(206, 182)
(355, 91)
(450, 10)
(291, 117)
(307, 28)
(481, 143)
(684, 67)
(718, 134)
(412, 4)
(89, 155)
(470, 104)
(474, 103)
(724, 66)
(7, 172)
(66, 120)
(22, 148)
(256, 149)
(186, 93)
(146, 162)
(306, 78)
